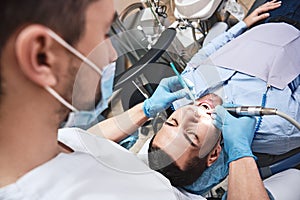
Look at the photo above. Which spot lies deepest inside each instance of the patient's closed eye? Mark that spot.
(192, 137)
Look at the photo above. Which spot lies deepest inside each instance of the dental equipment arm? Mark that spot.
(260, 111)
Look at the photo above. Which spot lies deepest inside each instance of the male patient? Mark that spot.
(273, 134)
(187, 149)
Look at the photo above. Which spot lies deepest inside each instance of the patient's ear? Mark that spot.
(34, 55)
(213, 155)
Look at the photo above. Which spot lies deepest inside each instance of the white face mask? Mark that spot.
(84, 59)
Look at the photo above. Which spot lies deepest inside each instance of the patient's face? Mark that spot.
(189, 132)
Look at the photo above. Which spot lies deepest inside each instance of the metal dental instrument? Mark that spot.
(141, 90)
(181, 80)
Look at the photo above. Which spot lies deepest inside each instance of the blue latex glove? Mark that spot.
(168, 90)
(228, 105)
(237, 133)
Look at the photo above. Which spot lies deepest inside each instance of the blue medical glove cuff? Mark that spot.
(147, 109)
(236, 154)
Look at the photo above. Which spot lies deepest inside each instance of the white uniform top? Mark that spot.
(101, 169)
(98, 169)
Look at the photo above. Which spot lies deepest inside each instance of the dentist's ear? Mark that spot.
(34, 55)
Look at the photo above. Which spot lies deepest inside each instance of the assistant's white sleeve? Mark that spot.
(216, 44)
(284, 185)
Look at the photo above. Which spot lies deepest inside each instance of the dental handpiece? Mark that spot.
(260, 111)
(251, 111)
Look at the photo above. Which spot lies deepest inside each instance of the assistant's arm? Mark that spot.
(217, 43)
(244, 181)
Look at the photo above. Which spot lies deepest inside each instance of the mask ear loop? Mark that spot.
(84, 59)
(60, 99)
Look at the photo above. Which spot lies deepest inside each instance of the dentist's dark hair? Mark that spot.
(66, 17)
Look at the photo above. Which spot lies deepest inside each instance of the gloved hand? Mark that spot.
(238, 133)
(168, 90)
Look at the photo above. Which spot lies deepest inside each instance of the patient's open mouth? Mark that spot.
(206, 105)
(209, 102)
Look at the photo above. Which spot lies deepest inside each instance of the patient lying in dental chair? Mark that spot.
(274, 135)
(188, 148)
(177, 157)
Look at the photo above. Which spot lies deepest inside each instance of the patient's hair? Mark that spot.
(66, 17)
(161, 162)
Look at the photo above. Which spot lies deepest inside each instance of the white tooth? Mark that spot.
(201, 111)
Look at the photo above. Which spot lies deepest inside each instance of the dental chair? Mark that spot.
(272, 164)
(268, 165)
